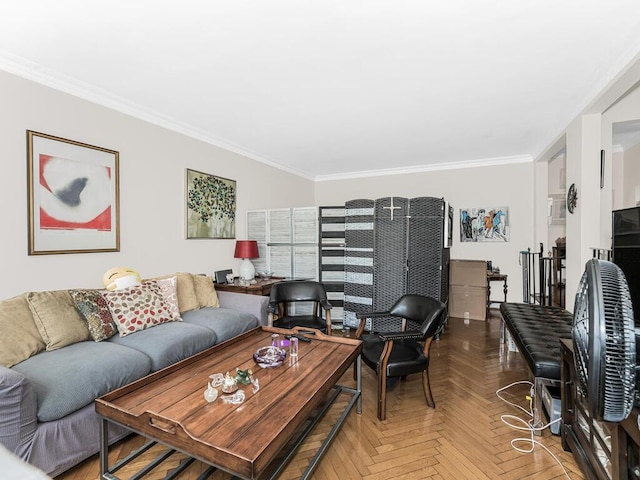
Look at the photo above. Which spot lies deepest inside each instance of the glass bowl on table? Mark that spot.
(269, 357)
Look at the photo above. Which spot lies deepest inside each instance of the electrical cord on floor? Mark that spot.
(527, 426)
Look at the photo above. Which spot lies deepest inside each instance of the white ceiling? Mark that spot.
(330, 88)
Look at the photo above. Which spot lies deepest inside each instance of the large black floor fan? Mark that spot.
(604, 341)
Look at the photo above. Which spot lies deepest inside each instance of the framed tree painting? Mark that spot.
(73, 196)
(211, 206)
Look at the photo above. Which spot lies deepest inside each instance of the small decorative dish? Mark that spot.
(265, 275)
(269, 357)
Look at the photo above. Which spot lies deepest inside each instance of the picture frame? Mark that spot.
(557, 208)
(73, 196)
(484, 224)
(221, 276)
(210, 206)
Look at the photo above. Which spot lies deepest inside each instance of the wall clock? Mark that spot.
(572, 197)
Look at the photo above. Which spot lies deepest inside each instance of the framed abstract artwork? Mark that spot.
(73, 196)
(484, 224)
(211, 206)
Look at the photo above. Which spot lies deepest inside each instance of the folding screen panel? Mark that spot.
(393, 246)
(358, 277)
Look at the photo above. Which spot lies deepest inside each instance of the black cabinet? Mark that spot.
(626, 251)
(603, 450)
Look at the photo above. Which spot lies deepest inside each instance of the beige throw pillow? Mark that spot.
(205, 291)
(58, 321)
(20, 338)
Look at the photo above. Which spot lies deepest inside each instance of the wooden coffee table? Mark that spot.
(254, 439)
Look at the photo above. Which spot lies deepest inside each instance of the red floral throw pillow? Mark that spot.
(138, 307)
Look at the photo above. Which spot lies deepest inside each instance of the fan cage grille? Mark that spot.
(604, 342)
(580, 336)
(619, 357)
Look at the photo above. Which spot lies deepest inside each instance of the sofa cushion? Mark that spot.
(169, 290)
(187, 299)
(58, 321)
(20, 337)
(138, 307)
(70, 378)
(224, 322)
(168, 343)
(205, 291)
(93, 307)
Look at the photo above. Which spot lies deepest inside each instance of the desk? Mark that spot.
(496, 277)
(261, 287)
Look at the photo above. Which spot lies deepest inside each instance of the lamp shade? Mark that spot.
(246, 249)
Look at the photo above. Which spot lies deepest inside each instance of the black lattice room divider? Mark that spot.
(393, 246)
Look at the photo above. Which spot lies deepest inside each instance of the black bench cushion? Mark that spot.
(536, 330)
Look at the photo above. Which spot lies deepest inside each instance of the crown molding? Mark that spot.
(35, 72)
(483, 162)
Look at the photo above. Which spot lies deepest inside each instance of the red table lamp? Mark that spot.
(246, 249)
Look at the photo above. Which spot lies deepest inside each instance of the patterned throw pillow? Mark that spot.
(93, 307)
(187, 299)
(138, 307)
(169, 291)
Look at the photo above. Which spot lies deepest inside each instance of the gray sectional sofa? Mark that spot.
(47, 414)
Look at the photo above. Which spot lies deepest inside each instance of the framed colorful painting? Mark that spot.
(211, 206)
(73, 196)
(484, 224)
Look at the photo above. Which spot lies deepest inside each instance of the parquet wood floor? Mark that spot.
(462, 438)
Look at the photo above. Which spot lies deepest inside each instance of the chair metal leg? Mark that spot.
(426, 387)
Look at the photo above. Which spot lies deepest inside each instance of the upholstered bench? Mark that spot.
(536, 330)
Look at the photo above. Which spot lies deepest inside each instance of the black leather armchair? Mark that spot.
(310, 297)
(404, 351)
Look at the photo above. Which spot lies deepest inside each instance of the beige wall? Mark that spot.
(556, 185)
(617, 179)
(508, 185)
(152, 165)
(584, 225)
(622, 174)
(588, 133)
(631, 176)
(153, 161)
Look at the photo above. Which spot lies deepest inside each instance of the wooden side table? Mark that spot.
(261, 287)
(496, 277)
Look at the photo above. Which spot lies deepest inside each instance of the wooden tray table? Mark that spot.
(169, 407)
